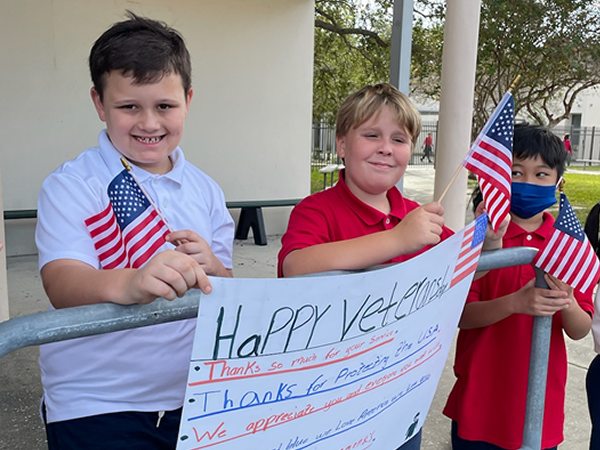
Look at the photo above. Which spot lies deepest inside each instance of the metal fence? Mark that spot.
(324, 151)
(585, 141)
(69, 323)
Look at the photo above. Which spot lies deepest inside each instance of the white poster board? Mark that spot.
(327, 362)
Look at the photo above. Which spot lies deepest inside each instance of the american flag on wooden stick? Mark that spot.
(470, 249)
(129, 231)
(490, 159)
(568, 254)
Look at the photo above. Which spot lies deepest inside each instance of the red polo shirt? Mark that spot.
(492, 363)
(336, 214)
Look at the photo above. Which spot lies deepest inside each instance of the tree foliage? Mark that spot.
(553, 44)
(352, 48)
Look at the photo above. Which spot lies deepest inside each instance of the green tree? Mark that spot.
(553, 44)
(555, 47)
(352, 41)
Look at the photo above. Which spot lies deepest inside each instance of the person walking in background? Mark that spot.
(428, 145)
(568, 148)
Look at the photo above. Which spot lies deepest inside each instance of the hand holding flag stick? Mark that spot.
(490, 158)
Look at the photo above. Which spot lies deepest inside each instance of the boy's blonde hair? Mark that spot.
(368, 101)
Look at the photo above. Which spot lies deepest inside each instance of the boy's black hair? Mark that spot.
(592, 228)
(142, 48)
(530, 141)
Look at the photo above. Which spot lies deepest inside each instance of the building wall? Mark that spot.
(588, 105)
(249, 123)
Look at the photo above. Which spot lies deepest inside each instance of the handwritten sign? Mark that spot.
(328, 362)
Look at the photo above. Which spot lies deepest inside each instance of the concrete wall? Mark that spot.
(249, 123)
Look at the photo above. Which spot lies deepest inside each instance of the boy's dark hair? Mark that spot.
(530, 141)
(142, 48)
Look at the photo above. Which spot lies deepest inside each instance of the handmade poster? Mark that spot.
(346, 361)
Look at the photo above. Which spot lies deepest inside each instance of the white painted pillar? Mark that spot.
(3, 279)
(401, 50)
(459, 59)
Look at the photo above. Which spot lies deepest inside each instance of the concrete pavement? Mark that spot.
(20, 389)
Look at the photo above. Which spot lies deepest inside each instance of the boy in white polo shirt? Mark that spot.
(101, 240)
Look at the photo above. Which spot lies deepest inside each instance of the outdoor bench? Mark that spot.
(250, 217)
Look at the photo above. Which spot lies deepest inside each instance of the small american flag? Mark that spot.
(490, 158)
(470, 249)
(129, 231)
(568, 254)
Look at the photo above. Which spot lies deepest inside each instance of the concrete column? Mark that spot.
(400, 51)
(461, 34)
(3, 279)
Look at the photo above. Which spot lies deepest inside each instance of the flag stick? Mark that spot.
(450, 183)
(128, 167)
(514, 83)
(511, 87)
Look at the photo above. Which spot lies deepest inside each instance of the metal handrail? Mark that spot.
(79, 321)
(69, 323)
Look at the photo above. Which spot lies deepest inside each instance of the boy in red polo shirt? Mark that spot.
(487, 403)
(364, 220)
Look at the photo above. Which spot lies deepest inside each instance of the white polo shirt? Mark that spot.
(143, 369)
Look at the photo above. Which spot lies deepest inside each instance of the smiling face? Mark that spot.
(144, 121)
(375, 154)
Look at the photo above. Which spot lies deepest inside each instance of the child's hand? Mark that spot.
(493, 240)
(536, 301)
(575, 321)
(421, 227)
(558, 285)
(192, 244)
(169, 274)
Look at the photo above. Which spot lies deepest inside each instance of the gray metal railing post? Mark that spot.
(538, 374)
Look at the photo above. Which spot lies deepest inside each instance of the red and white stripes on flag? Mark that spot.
(470, 249)
(128, 232)
(490, 159)
(568, 254)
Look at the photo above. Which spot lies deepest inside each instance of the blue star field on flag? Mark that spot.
(479, 232)
(501, 130)
(567, 221)
(127, 199)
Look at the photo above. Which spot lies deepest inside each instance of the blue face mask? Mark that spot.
(527, 199)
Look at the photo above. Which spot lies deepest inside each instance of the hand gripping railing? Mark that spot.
(80, 321)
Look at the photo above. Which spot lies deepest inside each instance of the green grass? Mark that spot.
(583, 192)
(594, 168)
(316, 180)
